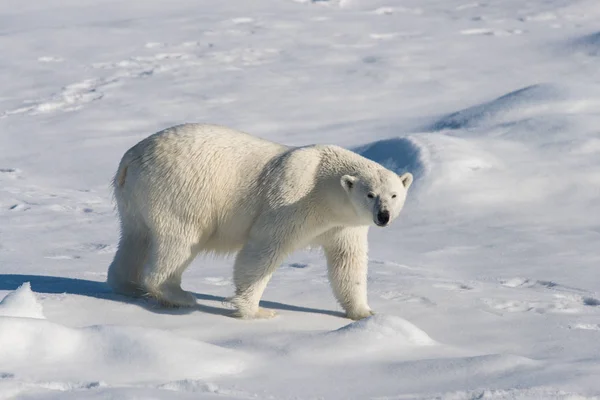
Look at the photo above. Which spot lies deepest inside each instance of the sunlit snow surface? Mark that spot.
(486, 287)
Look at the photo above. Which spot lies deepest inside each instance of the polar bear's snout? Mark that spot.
(381, 215)
(382, 218)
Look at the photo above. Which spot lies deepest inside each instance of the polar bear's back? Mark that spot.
(213, 154)
(206, 176)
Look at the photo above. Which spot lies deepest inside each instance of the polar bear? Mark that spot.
(205, 188)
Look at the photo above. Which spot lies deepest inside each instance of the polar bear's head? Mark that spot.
(377, 198)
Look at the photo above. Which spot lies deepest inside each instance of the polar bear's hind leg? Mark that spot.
(161, 277)
(125, 270)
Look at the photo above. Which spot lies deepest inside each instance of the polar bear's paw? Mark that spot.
(261, 313)
(126, 289)
(265, 313)
(359, 313)
(174, 297)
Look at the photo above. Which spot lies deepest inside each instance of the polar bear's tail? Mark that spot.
(121, 175)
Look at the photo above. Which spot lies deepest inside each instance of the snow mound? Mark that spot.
(378, 335)
(588, 44)
(108, 353)
(384, 326)
(512, 141)
(518, 104)
(505, 394)
(21, 303)
(40, 349)
(455, 159)
(397, 154)
(454, 373)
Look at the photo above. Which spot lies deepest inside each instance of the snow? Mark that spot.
(485, 287)
(21, 303)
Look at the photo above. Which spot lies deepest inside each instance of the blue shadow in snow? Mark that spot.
(529, 96)
(100, 290)
(397, 154)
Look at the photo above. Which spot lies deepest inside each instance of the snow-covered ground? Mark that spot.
(486, 287)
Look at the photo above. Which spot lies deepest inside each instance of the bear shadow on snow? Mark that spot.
(100, 290)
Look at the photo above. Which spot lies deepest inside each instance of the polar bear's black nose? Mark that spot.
(383, 217)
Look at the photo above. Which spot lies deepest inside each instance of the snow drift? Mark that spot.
(379, 335)
(33, 346)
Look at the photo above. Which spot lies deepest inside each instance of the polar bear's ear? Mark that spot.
(407, 179)
(348, 182)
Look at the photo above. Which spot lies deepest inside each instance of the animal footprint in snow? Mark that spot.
(383, 36)
(459, 287)
(519, 283)
(586, 327)
(217, 281)
(384, 11)
(590, 301)
(98, 248)
(70, 98)
(162, 57)
(541, 17)
(467, 6)
(154, 45)
(50, 59)
(19, 207)
(242, 20)
(11, 173)
(298, 265)
(189, 44)
(490, 32)
(397, 10)
(405, 297)
(509, 305)
(560, 304)
(62, 257)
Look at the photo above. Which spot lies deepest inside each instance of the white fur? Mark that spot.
(204, 188)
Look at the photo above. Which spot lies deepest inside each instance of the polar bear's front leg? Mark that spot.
(346, 252)
(253, 268)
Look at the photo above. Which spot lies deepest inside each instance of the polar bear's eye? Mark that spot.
(393, 196)
(370, 195)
